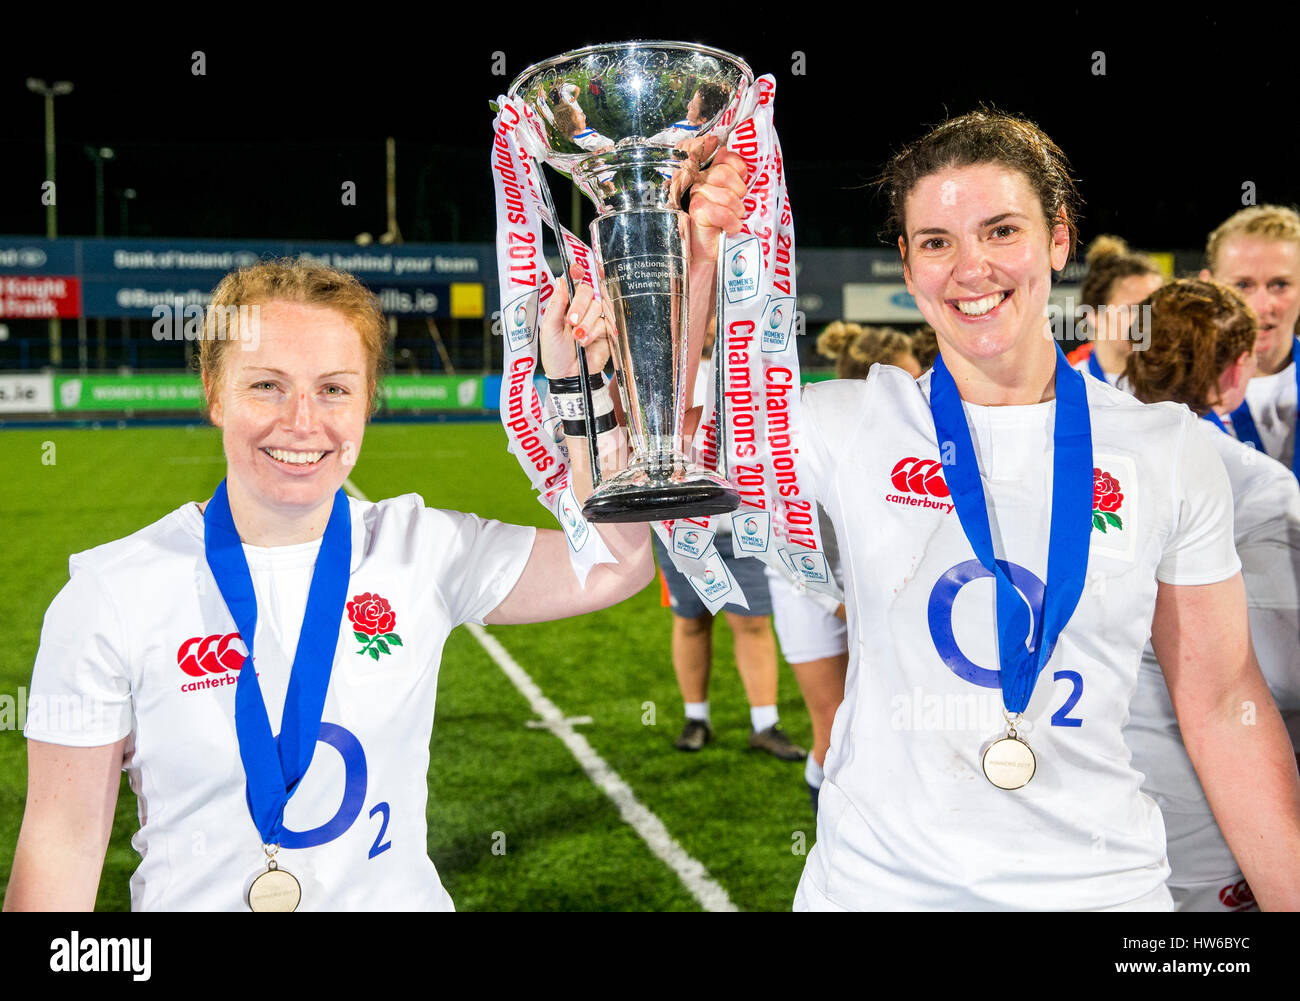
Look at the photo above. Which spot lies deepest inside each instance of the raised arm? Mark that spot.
(716, 206)
(1233, 732)
(71, 798)
(548, 589)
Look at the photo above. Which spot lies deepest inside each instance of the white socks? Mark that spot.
(761, 717)
(812, 772)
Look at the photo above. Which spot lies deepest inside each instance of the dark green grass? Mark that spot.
(565, 847)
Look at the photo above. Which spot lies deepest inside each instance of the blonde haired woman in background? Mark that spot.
(1257, 252)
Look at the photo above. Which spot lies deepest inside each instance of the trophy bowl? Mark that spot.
(615, 119)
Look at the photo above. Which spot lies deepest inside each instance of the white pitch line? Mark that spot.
(692, 873)
(710, 895)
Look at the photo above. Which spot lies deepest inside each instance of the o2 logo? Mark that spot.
(354, 797)
(939, 613)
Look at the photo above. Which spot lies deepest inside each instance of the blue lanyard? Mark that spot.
(273, 766)
(1071, 525)
(1214, 419)
(1094, 367)
(1243, 421)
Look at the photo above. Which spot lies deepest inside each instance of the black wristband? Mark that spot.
(573, 383)
(578, 429)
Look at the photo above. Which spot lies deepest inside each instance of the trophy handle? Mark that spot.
(589, 407)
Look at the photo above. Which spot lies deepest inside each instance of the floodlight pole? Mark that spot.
(50, 195)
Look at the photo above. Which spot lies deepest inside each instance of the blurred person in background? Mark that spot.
(855, 348)
(753, 644)
(925, 346)
(1116, 281)
(1202, 354)
(1257, 252)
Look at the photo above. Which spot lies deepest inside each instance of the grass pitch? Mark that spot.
(741, 813)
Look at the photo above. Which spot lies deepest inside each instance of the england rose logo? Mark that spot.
(1106, 500)
(373, 622)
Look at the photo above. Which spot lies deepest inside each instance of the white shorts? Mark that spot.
(805, 630)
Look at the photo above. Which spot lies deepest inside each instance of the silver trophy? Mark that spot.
(612, 118)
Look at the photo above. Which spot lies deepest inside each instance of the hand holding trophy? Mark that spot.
(679, 154)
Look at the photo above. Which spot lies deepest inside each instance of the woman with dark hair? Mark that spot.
(1201, 353)
(1011, 533)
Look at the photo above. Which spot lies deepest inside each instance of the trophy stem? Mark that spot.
(643, 257)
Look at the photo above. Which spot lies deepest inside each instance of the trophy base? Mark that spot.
(691, 491)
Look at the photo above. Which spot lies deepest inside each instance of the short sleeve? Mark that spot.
(476, 561)
(829, 416)
(80, 694)
(1200, 549)
(813, 457)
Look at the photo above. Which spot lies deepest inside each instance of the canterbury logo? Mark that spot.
(1237, 896)
(917, 482)
(200, 655)
(919, 476)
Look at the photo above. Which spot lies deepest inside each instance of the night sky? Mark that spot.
(1190, 107)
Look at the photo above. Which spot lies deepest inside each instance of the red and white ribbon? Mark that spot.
(777, 519)
(533, 431)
